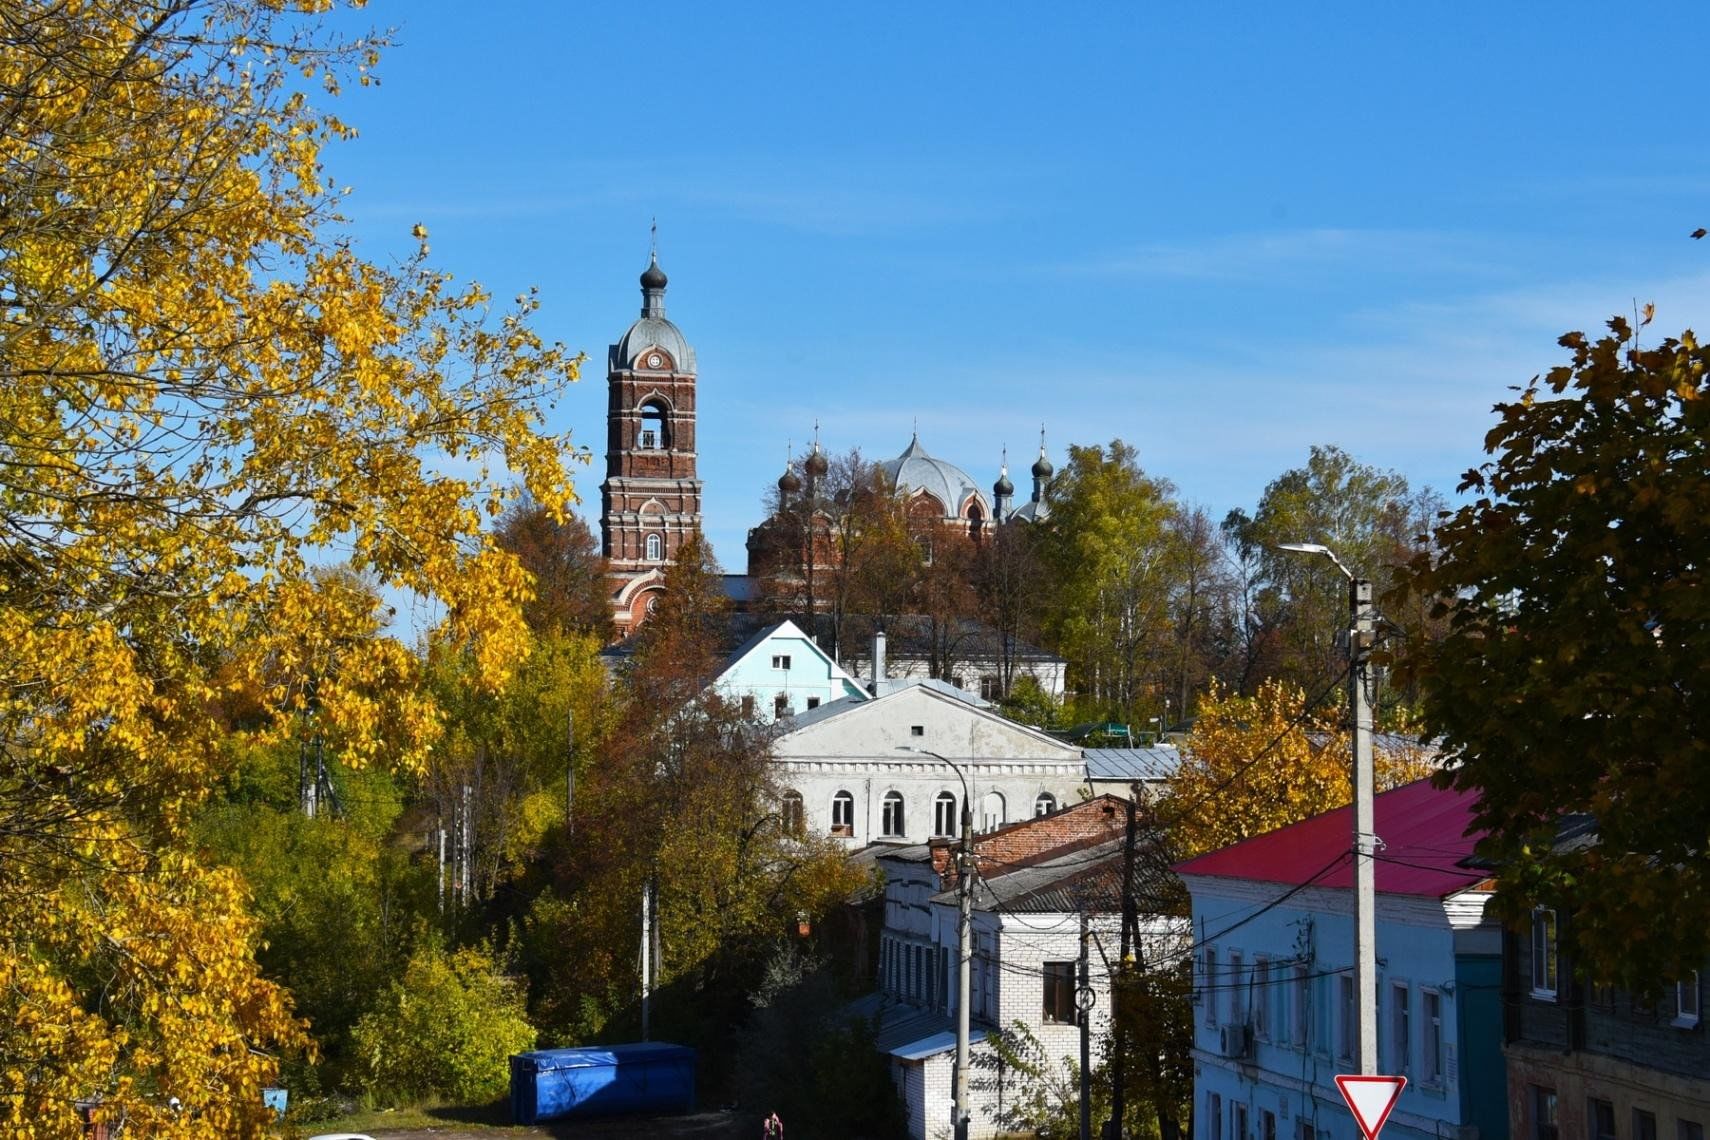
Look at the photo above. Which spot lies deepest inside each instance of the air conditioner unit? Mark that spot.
(1235, 1041)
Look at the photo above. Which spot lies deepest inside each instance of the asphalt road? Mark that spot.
(696, 1126)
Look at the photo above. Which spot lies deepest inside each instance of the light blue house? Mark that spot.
(1275, 1017)
(779, 672)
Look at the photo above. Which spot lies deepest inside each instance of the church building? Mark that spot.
(650, 502)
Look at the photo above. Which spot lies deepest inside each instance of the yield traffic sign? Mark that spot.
(1371, 1100)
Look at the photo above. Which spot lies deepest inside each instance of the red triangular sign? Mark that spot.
(1371, 1100)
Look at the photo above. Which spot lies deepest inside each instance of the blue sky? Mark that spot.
(1221, 232)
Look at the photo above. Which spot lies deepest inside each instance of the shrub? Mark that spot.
(446, 1030)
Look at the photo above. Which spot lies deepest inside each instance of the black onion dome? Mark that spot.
(815, 463)
(788, 483)
(1042, 468)
(653, 277)
(1003, 486)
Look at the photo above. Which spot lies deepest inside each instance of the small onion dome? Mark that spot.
(1003, 488)
(1042, 467)
(788, 483)
(815, 463)
(653, 277)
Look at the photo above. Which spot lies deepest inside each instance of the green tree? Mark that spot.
(1575, 672)
(447, 1028)
(1112, 551)
(1368, 516)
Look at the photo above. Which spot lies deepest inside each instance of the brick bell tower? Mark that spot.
(651, 499)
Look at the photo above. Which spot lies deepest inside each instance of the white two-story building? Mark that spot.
(1274, 983)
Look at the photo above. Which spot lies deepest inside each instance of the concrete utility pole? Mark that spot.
(1119, 996)
(1365, 837)
(964, 927)
(1361, 637)
(646, 957)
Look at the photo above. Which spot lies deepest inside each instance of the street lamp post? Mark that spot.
(1360, 633)
(964, 939)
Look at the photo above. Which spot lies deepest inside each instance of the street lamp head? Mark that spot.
(1317, 548)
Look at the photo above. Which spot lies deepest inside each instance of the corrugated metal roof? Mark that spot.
(1155, 763)
(1425, 837)
(904, 1030)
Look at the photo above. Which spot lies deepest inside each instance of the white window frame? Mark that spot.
(845, 799)
(1044, 804)
(1400, 1027)
(1300, 1011)
(1431, 1060)
(655, 548)
(1237, 1006)
(1208, 985)
(889, 826)
(1546, 961)
(944, 824)
(1347, 1018)
(1261, 991)
(1688, 1000)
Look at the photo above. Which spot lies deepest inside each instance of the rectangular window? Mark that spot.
(813, 702)
(1349, 1019)
(781, 705)
(1400, 1029)
(1600, 1118)
(991, 687)
(1213, 1116)
(1686, 1001)
(1238, 1125)
(1208, 985)
(1060, 992)
(780, 660)
(1237, 998)
(1688, 1130)
(1431, 1037)
(1268, 1125)
(1303, 1130)
(748, 705)
(917, 730)
(1644, 1124)
(944, 985)
(1323, 1023)
(1543, 1106)
(1262, 998)
(1302, 1011)
(1544, 963)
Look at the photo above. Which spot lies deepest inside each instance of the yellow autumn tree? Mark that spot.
(1256, 763)
(205, 393)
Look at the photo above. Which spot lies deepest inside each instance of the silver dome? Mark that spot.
(651, 332)
(914, 470)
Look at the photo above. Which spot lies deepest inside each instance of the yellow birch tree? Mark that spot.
(204, 394)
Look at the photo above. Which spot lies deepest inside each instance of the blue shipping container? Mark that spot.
(597, 1080)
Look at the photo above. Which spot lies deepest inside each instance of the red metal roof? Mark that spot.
(1424, 834)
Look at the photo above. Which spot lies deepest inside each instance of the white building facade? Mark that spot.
(1275, 1015)
(864, 771)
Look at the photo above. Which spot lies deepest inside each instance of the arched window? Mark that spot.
(791, 811)
(843, 814)
(655, 548)
(1045, 804)
(892, 821)
(944, 814)
(991, 811)
(976, 521)
(655, 427)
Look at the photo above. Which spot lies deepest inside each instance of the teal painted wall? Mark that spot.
(1484, 1073)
